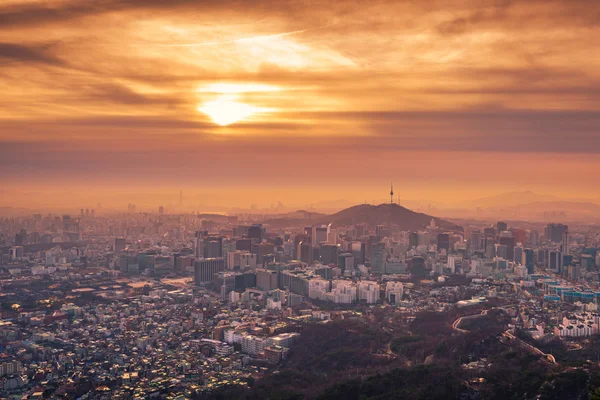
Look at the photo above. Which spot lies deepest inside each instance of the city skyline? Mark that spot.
(457, 99)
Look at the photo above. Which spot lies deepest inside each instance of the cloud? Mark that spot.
(18, 53)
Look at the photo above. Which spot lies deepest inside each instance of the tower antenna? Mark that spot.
(391, 193)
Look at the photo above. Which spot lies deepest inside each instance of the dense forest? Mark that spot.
(382, 356)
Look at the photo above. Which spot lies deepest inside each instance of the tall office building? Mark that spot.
(501, 226)
(256, 231)
(509, 242)
(119, 245)
(475, 240)
(565, 243)
(378, 258)
(21, 238)
(320, 234)
(443, 241)
(329, 253)
(305, 252)
(534, 238)
(555, 261)
(518, 254)
(528, 260)
(554, 232)
(205, 269)
(266, 279)
(346, 261)
(379, 231)
(520, 235)
(413, 240)
(418, 267)
(199, 251)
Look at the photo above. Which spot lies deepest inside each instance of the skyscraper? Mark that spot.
(554, 232)
(443, 241)
(475, 240)
(565, 243)
(329, 253)
(319, 234)
(205, 269)
(528, 260)
(119, 245)
(378, 258)
(509, 242)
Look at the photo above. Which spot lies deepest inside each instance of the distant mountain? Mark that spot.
(563, 211)
(331, 205)
(14, 211)
(512, 199)
(402, 218)
(574, 206)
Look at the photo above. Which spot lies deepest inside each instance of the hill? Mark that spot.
(393, 214)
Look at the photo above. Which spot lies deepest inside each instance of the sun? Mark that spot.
(226, 111)
(226, 108)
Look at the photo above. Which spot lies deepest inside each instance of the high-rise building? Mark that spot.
(241, 260)
(489, 232)
(534, 238)
(161, 210)
(379, 231)
(378, 258)
(413, 240)
(555, 261)
(16, 253)
(565, 243)
(266, 279)
(199, 251)
(320, 234)
(21, 238)
(475, 240)
(329, 253)
(509, 242)
(518, 254)
(520, 235)
(502, 251)
(490, 248)
(256, 232)
(528, 260)
(418, 267)
(119, 245)
(205, 269)
(443, 241)
(554, 232)
(243, 244)
(346, 261)
(501, 226)
(358, 250)
(305, 252)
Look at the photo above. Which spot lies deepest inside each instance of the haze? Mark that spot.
(256, 102)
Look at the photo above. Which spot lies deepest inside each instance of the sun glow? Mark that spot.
(236, 88)
(225, 110)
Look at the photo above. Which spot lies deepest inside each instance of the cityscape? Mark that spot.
(299, 200)
(168, 305)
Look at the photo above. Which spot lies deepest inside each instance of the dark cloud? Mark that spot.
(46, 12)
(13, 52)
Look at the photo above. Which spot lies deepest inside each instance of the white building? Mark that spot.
(579, 325)
(394, 291)
(368, 291)
(318, 289)
(253, 345)
(273, 305)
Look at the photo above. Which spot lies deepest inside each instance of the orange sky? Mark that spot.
(449, 99)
